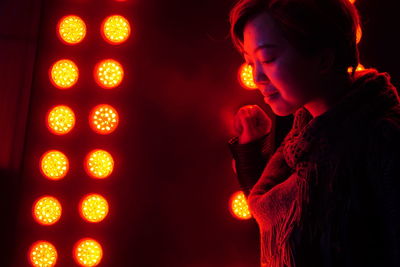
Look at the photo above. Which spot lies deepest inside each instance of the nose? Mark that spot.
(259, 75)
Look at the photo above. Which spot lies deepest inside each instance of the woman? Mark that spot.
(329, 195)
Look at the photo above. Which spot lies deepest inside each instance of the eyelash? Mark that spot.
(264, 62)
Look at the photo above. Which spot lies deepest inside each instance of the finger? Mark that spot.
(247, 117)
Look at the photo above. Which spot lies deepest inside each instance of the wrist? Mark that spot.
(244, 141)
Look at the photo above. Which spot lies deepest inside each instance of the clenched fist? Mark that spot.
(251, 123)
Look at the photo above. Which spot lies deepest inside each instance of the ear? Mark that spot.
(326, 60)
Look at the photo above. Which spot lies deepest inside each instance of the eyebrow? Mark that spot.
(261, 47)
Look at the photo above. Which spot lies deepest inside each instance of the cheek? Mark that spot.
(292, 79)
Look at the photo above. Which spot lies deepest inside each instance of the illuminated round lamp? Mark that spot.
(239, 207)
(352, 1)
(246, 77)
(99, 164)
(71, 29)
(359, 68)
(108, 73)
(115, 29)
(46, 210)
(88, 252)
(64, 74)
(54, 165)
(358, 34)
(42, 254)
(60, 120)
(103, 119)
(93, 208)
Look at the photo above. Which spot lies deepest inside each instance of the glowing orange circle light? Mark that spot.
(103, 119)
(115, 29)
(93, 208)
(42, 254)
(54, 165)
(246, 77)
(88, 252)
(109, 73)
(358, 34)
(99, 164)
(47, 210)
(60, 120)
(64, 74)
(71, 29)
(239, 207)
(360, 67)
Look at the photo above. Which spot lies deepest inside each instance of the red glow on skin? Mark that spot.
(279, 66)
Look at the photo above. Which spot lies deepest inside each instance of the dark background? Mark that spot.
(170, 190)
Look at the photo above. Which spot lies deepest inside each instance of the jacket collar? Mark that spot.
(371, 96)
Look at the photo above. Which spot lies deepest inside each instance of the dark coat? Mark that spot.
(329, 195)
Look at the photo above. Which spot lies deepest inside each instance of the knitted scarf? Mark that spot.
(313, 149)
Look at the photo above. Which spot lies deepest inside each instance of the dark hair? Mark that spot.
(308, 24)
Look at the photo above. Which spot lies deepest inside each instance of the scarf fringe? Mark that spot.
(277, 249)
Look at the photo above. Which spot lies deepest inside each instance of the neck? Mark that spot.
(333, 93)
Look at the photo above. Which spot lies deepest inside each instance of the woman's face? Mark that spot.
(278, 66)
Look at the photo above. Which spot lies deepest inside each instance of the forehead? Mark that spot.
(259, 30)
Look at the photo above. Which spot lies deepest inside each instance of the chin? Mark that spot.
(282, 112)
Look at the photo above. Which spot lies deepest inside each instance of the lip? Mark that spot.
(270, 94)
(267, 90)
(270, 98)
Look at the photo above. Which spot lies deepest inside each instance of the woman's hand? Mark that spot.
(251, 123)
